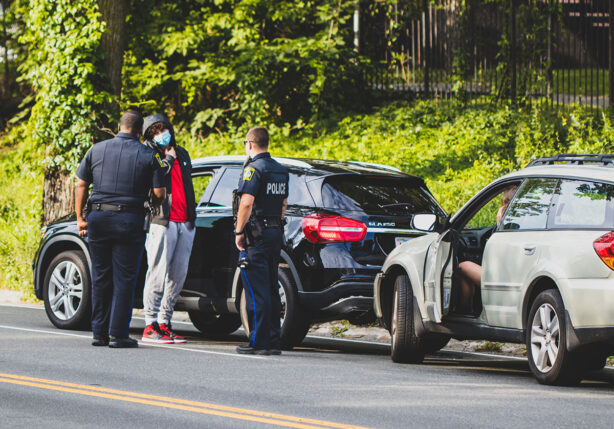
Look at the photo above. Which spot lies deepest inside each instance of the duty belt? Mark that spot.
(270, 221)
(117, 208)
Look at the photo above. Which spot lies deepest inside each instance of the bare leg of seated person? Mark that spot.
(470, 278)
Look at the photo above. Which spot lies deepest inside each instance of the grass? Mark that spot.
(581, 81)
(339, 330)
(489, 346)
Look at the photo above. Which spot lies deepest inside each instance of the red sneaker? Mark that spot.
(166, 329)
(153, 334)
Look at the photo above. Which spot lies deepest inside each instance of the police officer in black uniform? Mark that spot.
(122, 171)
(263, 191)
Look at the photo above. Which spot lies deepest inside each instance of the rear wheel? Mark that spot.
(214, 325)
(295, 322)
(549, 359)
(67, 291)
(406, 346)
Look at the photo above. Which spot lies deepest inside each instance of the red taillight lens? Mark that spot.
(323, 228)
(604, 246)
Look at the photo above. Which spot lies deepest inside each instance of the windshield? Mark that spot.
(390, 196)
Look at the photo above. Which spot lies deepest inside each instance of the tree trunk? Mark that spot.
(58, 194)
(113, 41)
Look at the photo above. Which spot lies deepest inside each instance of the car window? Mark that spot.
(222, 196)
(200, 183)
(298, 194)
(583, 204)
(529, 209)
(378, 195)
(488, 215)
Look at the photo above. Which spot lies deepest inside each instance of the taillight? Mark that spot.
(604, 246)
(323, 228)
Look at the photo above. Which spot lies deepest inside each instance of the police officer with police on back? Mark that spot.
(122, 171)
(263, 192)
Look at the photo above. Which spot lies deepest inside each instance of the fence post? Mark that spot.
(427, 48)
(611, 51)
(513, 50)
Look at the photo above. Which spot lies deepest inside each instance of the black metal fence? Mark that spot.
(555, 51)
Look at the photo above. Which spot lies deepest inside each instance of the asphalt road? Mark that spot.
(55, 379)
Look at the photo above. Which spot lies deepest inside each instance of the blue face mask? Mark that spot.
(163, 139)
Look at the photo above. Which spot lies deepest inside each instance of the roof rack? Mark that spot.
(576, 159)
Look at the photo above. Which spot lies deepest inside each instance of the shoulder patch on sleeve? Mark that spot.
(159, 160)
(248, 173)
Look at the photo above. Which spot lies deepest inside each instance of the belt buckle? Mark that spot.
(98, 206)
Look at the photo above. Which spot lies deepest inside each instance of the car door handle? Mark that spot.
(529, 249)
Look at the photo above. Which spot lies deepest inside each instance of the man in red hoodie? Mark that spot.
(171, 234)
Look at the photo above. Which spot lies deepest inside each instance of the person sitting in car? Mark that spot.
(470, 272)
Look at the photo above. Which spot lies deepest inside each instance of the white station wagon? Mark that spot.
(542, 275)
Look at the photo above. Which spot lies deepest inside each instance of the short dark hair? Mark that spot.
(131, 120)
(154, 128)
(260, 136)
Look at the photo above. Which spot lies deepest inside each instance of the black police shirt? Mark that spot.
(122, 171)
(267, 180)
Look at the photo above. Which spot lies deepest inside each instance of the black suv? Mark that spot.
(343, 219)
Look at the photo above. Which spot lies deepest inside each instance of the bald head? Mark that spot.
(131, 122)
(259, 136)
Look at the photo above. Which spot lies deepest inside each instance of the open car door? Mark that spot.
(439, 269)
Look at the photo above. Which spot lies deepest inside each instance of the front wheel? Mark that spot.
(294, 321)
(406, 346)
(546, 337)
(67, 291)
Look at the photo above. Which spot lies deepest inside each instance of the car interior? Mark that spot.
(471, 233)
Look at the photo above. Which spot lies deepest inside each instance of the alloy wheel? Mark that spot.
(545, 337)
(65, 290)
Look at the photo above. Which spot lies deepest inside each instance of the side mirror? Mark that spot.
(424, 222)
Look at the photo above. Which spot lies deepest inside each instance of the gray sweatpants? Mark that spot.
(168, 256)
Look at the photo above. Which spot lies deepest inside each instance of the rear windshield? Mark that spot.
(389, 196)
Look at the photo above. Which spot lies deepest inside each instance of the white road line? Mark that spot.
(32, 307)
(68, 334)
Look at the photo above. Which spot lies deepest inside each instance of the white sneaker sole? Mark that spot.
(176, 341)
(156, 341)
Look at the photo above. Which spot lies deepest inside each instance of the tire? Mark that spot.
(434, 342)
(213, 325)
(592, 360)
(295, 322)
(546, 340)
(67, 289)
(406, 346)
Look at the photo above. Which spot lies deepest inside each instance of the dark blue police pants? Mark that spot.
(262, 283)
(116, 242)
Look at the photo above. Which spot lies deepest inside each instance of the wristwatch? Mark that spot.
(239, 232)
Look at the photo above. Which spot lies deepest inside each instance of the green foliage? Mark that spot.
(21, 182)
(12, 93)
(339, 330)
(63, 38)
(489, 346)
(216, 63)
